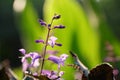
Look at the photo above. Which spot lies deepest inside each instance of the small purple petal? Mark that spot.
(35, 63)
(34, 55)
(35, 59)
(55, 59)
(23, 59)
(51, 41)
(50, 74)
(25, 65)
(58, 60)
(63, 57)
(39, 41)
(22, 51)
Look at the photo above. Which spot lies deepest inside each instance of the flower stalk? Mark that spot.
(45, 48)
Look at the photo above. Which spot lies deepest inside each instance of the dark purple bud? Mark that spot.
(59, 26)
(39, 41)
(56, 16)
(49, 25)
(42, 23)
(58, 44)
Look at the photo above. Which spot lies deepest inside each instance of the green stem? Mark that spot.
(45, 48)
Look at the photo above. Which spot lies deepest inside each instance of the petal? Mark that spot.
(55, 59)
(34, 55)
(23, 59)
(35, 59)
(61, 73)
(22, 51)
(25, 65)
(35, 63)
(52, 40)
(63, 57)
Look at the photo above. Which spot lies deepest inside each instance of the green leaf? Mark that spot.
(30, 29)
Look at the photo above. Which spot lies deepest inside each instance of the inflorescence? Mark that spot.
(33, 62)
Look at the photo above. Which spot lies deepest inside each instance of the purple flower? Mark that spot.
(34, 59)
(58, 60)
(52, 74)
(51, 41)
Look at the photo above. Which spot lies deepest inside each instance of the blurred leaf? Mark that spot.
(30, 28)
(105, 30)
(18, 72)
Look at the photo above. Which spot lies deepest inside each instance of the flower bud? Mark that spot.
(42, 23)
(56, 16)
(58, 44)
(59, 26)
(39, 41)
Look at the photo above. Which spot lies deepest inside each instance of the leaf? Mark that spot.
(29, 28)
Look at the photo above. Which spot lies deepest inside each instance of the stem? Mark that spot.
(44, 53)
(45, 48)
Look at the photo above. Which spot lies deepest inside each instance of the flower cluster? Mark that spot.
(36, 61)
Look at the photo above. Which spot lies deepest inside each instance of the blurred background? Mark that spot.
(92, 28)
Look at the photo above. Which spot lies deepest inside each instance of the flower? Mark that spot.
(34, 59)
(52, 74)
(58, 60)
(51, 41)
